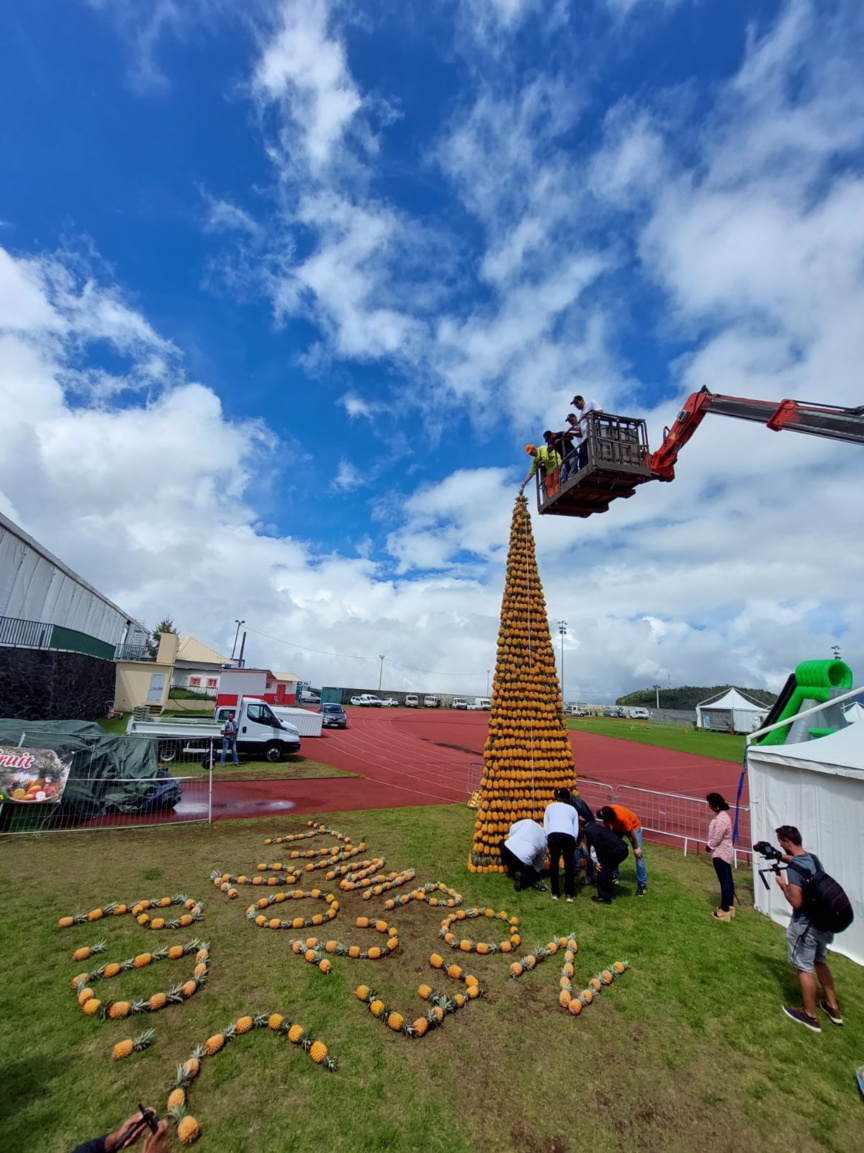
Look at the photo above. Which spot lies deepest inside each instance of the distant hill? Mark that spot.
(689, 696)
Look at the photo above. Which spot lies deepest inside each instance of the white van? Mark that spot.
(639, 714)
(412, 701)
(460, 703)
(431, 702)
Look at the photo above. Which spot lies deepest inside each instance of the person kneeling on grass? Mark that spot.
(607, 851)
(523, 854)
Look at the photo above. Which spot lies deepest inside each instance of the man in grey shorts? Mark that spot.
(807, 944)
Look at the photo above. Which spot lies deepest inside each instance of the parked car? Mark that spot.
(576, 711)
(333, 716)
(460, 703)
(367, 700)
(390, 703)
(640, 714)
(412, 701)
(431, 702)
(307, 697)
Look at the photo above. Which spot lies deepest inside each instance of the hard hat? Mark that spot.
(529, 448)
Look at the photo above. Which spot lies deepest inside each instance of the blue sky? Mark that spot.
(286, 287)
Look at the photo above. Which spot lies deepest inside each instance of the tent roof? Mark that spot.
(198, 653)
(840, 753)
(732, 698)
(286, 676)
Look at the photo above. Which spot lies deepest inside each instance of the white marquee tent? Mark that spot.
(730, 712)
(817, 786)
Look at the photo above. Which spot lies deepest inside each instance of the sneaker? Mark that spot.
(517, 882)
(801, 1017)
(570, 902)
(615, 881)
(833, 1015)
(541, 888)
(554, 896)
(602, 900)
(640, 890)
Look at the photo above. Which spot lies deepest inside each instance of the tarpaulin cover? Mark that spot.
(109, 774)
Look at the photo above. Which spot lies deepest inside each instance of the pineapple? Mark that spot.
(243, 1025)
(92, 1006)
(89, 951)
(296, 1035)
(157, 1001)
(318, 1051)
(124, 1049)
(117, 1010)
(188, 1129)
(176, 1098)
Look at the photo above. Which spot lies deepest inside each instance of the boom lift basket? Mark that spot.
(617, 461)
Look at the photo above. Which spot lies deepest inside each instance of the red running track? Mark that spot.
(407, 758)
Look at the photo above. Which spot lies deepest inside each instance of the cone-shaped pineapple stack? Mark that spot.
(527, 752)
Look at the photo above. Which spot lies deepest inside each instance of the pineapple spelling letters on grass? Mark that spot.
(367, 878)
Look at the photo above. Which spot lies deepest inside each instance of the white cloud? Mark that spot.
(223, 216)
(144, 24)
(304, 69)
(348, 477)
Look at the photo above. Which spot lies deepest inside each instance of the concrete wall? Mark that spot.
(40, 685)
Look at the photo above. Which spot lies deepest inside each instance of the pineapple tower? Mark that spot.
(527, 753)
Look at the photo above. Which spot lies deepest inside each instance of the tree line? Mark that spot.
(689, 696)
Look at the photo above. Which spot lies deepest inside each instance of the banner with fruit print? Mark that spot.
(32, 776)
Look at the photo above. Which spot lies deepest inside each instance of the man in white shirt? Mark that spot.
(523, 854)
(561, 826)
(585, 407)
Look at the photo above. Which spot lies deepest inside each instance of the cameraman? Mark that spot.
(807, 945)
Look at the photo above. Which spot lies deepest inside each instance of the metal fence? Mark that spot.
(23, 634)
(96, 796)
(667, 818)
(677, 818)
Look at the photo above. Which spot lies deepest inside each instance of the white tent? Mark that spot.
(730, 712)
(817, 786)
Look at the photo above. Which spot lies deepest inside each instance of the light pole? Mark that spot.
(656, 689)
(236, 635)
(562, 630)
(380, 671)
(488, 672)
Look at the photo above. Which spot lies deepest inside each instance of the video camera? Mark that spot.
(770, 853)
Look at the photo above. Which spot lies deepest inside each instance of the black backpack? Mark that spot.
(823, 900)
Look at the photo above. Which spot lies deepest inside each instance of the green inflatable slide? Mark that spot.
(813, 682)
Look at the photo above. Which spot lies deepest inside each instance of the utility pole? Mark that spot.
(236, 635)
(656, 689)
(835, 652)
(380, 671)
(488, 671)
(562, 630)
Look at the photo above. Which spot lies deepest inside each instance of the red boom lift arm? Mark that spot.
(796, 416)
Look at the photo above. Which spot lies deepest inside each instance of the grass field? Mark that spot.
(688, 1051)
(722, 746)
